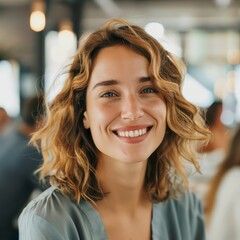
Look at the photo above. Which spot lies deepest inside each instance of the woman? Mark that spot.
(114, 144)
(223, 198)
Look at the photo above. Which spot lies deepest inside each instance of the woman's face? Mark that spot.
(125, 113)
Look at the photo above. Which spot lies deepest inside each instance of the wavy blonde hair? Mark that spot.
(70, 158)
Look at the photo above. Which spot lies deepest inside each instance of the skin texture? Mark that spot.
(120, 100)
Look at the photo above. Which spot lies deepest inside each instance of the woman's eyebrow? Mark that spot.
(115, 82)
(106, 83)
(144, 79)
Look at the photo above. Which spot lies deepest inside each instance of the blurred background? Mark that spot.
(38, 38)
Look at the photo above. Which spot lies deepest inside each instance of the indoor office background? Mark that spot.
(204, 33)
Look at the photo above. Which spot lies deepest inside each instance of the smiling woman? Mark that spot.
(128, 107)
(115, 144)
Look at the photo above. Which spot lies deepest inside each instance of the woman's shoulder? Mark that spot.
(53, 213)
(183, 213)
(50, 205)
(185, 206)
(184, 201)
(48, 202)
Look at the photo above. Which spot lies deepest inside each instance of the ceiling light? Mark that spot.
(37, 18)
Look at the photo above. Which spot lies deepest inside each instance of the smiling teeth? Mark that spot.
(132, 134)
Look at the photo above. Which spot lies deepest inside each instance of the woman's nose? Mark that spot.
(131, 108)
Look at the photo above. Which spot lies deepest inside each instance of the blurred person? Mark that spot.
(18, 161)
(212, 154)
(222, 203)
(4, 120)
(220, 132)
(113, 146)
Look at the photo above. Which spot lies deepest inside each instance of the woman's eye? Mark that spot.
(109, 94)
(149, 90)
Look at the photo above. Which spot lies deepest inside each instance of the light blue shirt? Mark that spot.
(54, 216)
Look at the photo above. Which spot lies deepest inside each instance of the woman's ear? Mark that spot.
(85, 120)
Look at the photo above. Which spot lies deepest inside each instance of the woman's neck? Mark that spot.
(123, 183)
(126, 211)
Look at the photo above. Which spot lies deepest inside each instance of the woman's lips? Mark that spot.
(132, 132)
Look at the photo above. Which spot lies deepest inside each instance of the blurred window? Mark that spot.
(59, 51)
(9, 87)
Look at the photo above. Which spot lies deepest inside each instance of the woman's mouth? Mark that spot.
(132, 133)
